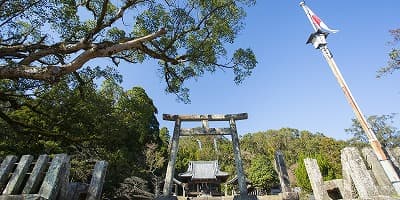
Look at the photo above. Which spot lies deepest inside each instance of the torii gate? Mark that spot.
(204, 130)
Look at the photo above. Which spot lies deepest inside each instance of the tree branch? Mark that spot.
(7, 50)
(2, 2)
(157, 55)
(100, 25)
(59, 48)
(18, 12)
(52, 73)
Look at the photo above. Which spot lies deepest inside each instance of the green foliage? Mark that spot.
(394, 55)
(90, 124)
(165, 138)
(382, 126)
(295, 145)
(53, 38)
(258, 149)
(302, 179)
(189, 150)
(261, 173)
(329, 170)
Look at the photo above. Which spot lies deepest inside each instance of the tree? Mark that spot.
(382, 126)
(41, 41)
(89, 123)
(155, 162)
(189, 151)
(295, 145)
(327, 168)
(394, 55)
(133, 188)
(261, 173)
(302, 179)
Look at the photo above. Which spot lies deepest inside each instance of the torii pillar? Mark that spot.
(205, 130)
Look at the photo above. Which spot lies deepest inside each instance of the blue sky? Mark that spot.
(292, 85)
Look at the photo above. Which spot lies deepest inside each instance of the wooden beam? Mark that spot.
(209, 117)
(209, 131)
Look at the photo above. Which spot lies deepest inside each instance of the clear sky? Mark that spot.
(292, 85)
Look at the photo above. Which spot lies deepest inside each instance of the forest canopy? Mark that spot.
(47, 39)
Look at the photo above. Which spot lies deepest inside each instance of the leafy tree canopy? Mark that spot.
(394, 55)
(262, 173)
(43, 40)
(295, 145)
(382, 126)
(76, 117)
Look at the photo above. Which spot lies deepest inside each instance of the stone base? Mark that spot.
(167, 198)
(245, 197)
(290, 196)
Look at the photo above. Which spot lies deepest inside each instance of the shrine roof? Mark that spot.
(198, 170)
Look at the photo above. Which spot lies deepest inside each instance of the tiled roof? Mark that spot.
(203, 170)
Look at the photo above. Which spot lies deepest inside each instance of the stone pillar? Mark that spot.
(354, 167)
(171, 164)
(394, 155)
(317, 183)
(280, 168)
(347, 190)
(238, 159)
(384, 184)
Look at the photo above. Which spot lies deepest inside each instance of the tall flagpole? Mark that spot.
(318, 39)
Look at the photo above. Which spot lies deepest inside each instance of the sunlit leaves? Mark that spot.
(261, 172)
(382, 126)
(53, 33)
(115, 34)
(295, 146)
(86, 122)
(194, 43)
(244, 62)
(394, 56)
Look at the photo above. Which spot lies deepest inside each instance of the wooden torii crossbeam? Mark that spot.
(204, 130)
